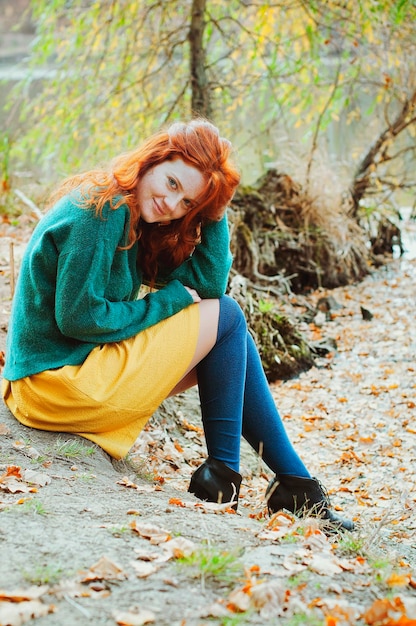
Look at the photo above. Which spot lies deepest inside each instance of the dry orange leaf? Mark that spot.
(13, 470)
(398, 580)
(177, 502)
(178, 446)
(369, 439)
(388, 613)
(191, 427)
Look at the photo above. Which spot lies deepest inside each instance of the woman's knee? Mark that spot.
(218, 318)
(231, 316)
(209, 311)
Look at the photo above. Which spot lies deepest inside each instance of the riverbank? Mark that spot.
(86, 541)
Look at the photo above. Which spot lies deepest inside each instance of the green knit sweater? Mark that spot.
(76, 290)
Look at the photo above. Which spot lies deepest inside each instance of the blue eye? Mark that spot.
(172, 182)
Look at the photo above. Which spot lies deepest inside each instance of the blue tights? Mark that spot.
(236, 399)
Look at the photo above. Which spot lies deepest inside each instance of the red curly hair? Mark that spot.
(199, 144)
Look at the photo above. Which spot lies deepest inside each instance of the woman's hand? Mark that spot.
(195, 295)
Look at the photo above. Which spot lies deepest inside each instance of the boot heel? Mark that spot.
(214, 481)
(303, 496)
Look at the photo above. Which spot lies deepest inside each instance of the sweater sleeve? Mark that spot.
(87, 315)
(94, 301)
(208, 268)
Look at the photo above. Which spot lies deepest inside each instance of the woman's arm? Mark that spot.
(84, 312)
(91, 284)
(207, 269)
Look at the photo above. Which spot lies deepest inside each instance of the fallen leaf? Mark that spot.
(385, 612)
(398, 580)
(37, 478)
(143, 569)
(178, 446)
(177, 502)
(154, 534)
(238, 601)
(20, 595)
(12, 470)
(179, 547)
(4, 430)
(14, 485)
(216, 610)
(12, 614)
(134, 617)
(104, 569)
(270, 597)
(126, 482)
(191, 427)
(28, 450)
(324, 565)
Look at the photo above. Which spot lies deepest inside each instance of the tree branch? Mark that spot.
(362, 175)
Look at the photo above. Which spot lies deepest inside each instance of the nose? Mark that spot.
(172, 202)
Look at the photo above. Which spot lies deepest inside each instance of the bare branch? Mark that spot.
(319, 122)
(403, 120)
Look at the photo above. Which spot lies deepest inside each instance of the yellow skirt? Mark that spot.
(109, 398)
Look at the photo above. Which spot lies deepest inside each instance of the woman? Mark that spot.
(85, 355)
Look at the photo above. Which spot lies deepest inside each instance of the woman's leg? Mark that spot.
(219, 369)
(218, 365)
(234, 392)
(221, 375)
(236, 399)
(209, 311)
(262, 424)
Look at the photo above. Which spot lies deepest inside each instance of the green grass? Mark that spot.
(29, 506)
(138, 467)
(298, 579)
(85, 477)
(209, 563)
(348, 545)
(119, 531)
(305, 619)
(236, 620)
(43, 574)
(73, 449)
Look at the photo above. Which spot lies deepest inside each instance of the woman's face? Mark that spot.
(168, 191)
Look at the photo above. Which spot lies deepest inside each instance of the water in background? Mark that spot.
(408, 231)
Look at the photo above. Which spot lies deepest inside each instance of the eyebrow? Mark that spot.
(176, 177)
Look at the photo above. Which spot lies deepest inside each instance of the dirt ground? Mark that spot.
(84, 540)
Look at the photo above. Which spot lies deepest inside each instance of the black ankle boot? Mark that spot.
(302, 496)
(216, 482)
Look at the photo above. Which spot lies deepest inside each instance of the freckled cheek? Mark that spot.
(178, 213)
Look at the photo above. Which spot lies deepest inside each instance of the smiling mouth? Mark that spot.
(158, 208)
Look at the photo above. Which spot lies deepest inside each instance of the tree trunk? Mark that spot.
(199, 82)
